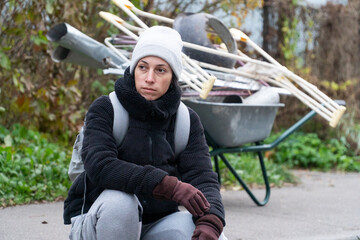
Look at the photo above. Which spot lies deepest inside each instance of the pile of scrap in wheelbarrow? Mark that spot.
(236, 96)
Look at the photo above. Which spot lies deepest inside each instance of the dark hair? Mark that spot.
(174, 78)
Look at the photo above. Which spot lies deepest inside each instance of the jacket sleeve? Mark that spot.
(195, 167)
(99, 154)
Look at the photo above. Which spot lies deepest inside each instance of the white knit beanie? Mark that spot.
(162, 42)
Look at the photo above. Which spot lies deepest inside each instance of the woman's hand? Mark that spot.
(183, 193)
(208, 227)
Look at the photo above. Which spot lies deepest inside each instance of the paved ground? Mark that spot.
(325, 206)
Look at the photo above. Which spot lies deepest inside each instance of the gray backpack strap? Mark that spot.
(76, 166)
(182, 128)
(121, 119)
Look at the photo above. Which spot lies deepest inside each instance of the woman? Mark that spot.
(133, 191)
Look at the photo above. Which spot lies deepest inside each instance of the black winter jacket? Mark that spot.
(145, 156)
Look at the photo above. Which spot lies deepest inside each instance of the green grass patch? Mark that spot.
(248, 167)
(307, 150)
(31, 167)
(299, 151)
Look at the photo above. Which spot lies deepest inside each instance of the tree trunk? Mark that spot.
(266, 25)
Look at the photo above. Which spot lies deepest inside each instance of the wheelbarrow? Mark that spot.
(230, 126)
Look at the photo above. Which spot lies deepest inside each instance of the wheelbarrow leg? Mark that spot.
(265, 177)
(244, 185)
(217, 169)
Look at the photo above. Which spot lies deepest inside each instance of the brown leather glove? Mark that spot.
(208, 227)
(183, 193)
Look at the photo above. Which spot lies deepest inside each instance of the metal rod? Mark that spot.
(217, 169)
(244, 185)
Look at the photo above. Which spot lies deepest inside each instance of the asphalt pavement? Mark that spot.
(324, 206)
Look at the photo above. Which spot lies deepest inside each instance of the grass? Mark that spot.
(247, 166)
(307, 150)
(299, 151)
(32, 168)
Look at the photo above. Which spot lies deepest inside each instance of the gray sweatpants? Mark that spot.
(115, 215)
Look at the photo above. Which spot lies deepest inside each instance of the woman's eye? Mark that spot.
(161, 70)
(141, 67)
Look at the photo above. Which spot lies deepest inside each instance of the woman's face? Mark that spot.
(152, 77)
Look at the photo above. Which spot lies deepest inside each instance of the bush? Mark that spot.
(307, 150)
(31, 168)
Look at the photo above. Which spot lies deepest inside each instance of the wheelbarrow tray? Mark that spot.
(235, 124)
(229, 125)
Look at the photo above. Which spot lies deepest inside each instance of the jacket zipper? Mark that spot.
(150, 150)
